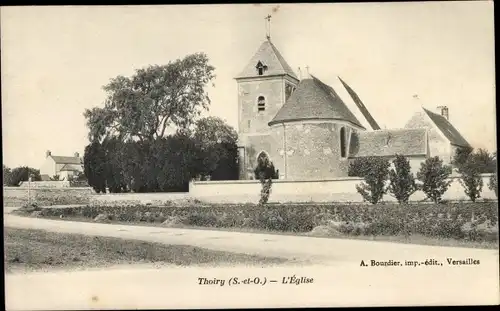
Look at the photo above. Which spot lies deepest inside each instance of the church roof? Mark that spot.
(362, 108)
(270, 57)
(408, 142)
(314, 100)
(448, 130)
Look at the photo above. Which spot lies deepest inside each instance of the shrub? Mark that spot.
(373, 188)
(265, 172)
(265, 192)
(6, 174)
(402, 182)
(433, 176)
(493, 183)
(471, 179)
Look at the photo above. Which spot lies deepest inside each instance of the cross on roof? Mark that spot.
(268, 27)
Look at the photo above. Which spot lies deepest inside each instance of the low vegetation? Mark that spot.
(469, 222)
(31, 250)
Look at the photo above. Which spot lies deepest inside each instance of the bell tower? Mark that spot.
(264, 85)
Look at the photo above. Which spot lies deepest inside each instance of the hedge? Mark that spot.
(475, 221)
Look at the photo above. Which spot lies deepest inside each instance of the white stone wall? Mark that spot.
(332, 190)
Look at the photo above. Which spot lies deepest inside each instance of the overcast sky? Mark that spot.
(55, 60)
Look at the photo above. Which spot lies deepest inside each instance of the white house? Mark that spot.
(65, 167)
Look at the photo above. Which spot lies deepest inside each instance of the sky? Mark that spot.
(55, 60)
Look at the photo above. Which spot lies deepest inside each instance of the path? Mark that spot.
(339, 279)
(320, 250)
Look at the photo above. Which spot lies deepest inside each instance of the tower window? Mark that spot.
(261, 103)
(342, 143)
(261, 68)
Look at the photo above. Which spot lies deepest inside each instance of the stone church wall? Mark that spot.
(313, 151)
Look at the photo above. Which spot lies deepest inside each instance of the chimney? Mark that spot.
(307, 74)
(77, 155)
(48, 153)
(443, 110)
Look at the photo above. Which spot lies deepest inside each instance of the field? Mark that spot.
(38, 250)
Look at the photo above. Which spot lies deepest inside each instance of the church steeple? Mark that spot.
(267, 61)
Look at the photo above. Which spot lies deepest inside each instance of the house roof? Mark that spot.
(408, 142)
(71, 167)
(314, 100)
(67, 160)
(360, 105)
(269, 56)
(448, 130)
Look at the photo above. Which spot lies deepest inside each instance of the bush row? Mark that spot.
(454, 220)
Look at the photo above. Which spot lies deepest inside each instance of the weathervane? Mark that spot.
(268, 27)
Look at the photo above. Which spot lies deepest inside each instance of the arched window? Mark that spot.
(261, 103)
(342, 143)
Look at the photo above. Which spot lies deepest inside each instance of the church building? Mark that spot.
(311, 130)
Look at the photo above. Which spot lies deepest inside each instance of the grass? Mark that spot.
(34, 250)
(413, 239)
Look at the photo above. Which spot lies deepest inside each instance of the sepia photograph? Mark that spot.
(249, 155)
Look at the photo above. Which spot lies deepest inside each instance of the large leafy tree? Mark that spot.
(113, 168)
(217, 148)
(143, 106)
(94, 166)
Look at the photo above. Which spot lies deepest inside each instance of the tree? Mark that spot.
(402, 182)
(434, 178)
(113, 170)
(21, 174)
(217, 149)
(461, 155)
(359, 167)
(144, 106)
(373, 188)
(177, 168)
(484, 161)
(471, 179)
(94, 166)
